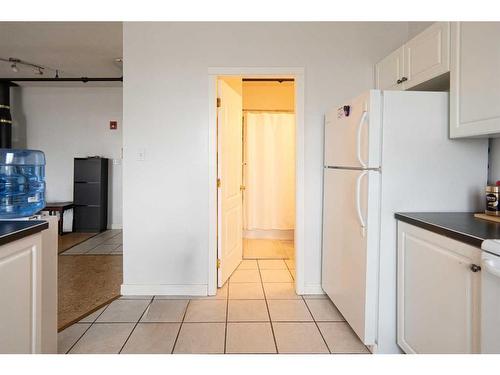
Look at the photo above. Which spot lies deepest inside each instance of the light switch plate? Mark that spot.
(141, 155)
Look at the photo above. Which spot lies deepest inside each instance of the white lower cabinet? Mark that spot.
(21, 296)
(438, 293)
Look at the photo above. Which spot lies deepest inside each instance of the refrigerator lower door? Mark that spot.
(490, 304)
(351, 216)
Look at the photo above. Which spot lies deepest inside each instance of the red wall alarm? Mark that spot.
(113, 125)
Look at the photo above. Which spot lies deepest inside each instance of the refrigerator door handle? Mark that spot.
(358, 200)
(358, 138)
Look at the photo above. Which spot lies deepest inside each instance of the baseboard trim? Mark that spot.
(313, 289)
(116, 226)
(163, 290)
(271, 234)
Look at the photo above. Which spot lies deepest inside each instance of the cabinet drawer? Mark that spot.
(88, 218)
(87, 194)
(88, 170)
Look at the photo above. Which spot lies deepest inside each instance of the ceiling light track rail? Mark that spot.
(66, 79)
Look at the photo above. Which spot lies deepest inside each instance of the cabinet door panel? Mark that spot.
(427, 55)
(20, 293)
(389, 70)
(475, 79)
(438, 294)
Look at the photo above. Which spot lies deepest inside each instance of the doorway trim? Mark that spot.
(258, 72)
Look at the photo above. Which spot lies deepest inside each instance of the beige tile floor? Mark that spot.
(109, 242)
(257, 311)
(266, 249)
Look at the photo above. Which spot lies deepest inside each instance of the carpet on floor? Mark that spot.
(86, 283)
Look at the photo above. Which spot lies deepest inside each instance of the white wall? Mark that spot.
(494, 161)
(69, 122)
(166, 218)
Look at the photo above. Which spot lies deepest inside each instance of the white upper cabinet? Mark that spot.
(423, 58)
(389, 71)
(427, 55)
(475, 79)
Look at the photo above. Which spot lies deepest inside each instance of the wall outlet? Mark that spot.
(141, 155)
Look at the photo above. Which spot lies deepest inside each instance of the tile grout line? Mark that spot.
(180, 327)
(227, 313)
(90, 325)
(316, 324)
(133, 329)
(267, 307)
(290, 272)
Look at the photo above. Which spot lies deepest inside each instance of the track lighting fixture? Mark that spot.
(16, 64)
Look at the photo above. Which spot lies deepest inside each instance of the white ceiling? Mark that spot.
(75, 48)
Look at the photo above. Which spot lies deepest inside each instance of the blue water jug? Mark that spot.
(22, 182)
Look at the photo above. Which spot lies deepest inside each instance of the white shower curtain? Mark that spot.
(270, 171)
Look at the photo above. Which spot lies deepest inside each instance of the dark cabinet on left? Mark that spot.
(90, 194)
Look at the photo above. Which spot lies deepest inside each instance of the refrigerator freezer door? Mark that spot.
(353, 133)
(350, 246)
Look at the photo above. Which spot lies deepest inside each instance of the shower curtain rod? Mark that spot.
(269, 110)
(268, 79)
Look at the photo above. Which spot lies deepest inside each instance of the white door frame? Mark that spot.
(260, 72)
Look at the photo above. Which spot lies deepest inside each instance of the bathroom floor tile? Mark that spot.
(276, 276)
(272, 264)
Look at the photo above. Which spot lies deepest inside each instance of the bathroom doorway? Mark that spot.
(256, 179)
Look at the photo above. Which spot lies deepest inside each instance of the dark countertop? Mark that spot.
(461, 226)
(11, 230)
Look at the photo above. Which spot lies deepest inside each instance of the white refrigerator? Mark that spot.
(387, 152)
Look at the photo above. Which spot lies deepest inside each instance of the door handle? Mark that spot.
(361, 219)
(358, 138)
(475, 268)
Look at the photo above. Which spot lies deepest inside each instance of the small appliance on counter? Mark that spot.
(492, 196)
(492, 211)
(22, 183)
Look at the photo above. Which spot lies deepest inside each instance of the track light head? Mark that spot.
(39, 71)
(14, 68)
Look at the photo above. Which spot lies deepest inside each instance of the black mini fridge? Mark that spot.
(90, 194)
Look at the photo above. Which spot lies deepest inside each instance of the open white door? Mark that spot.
(229, 173)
